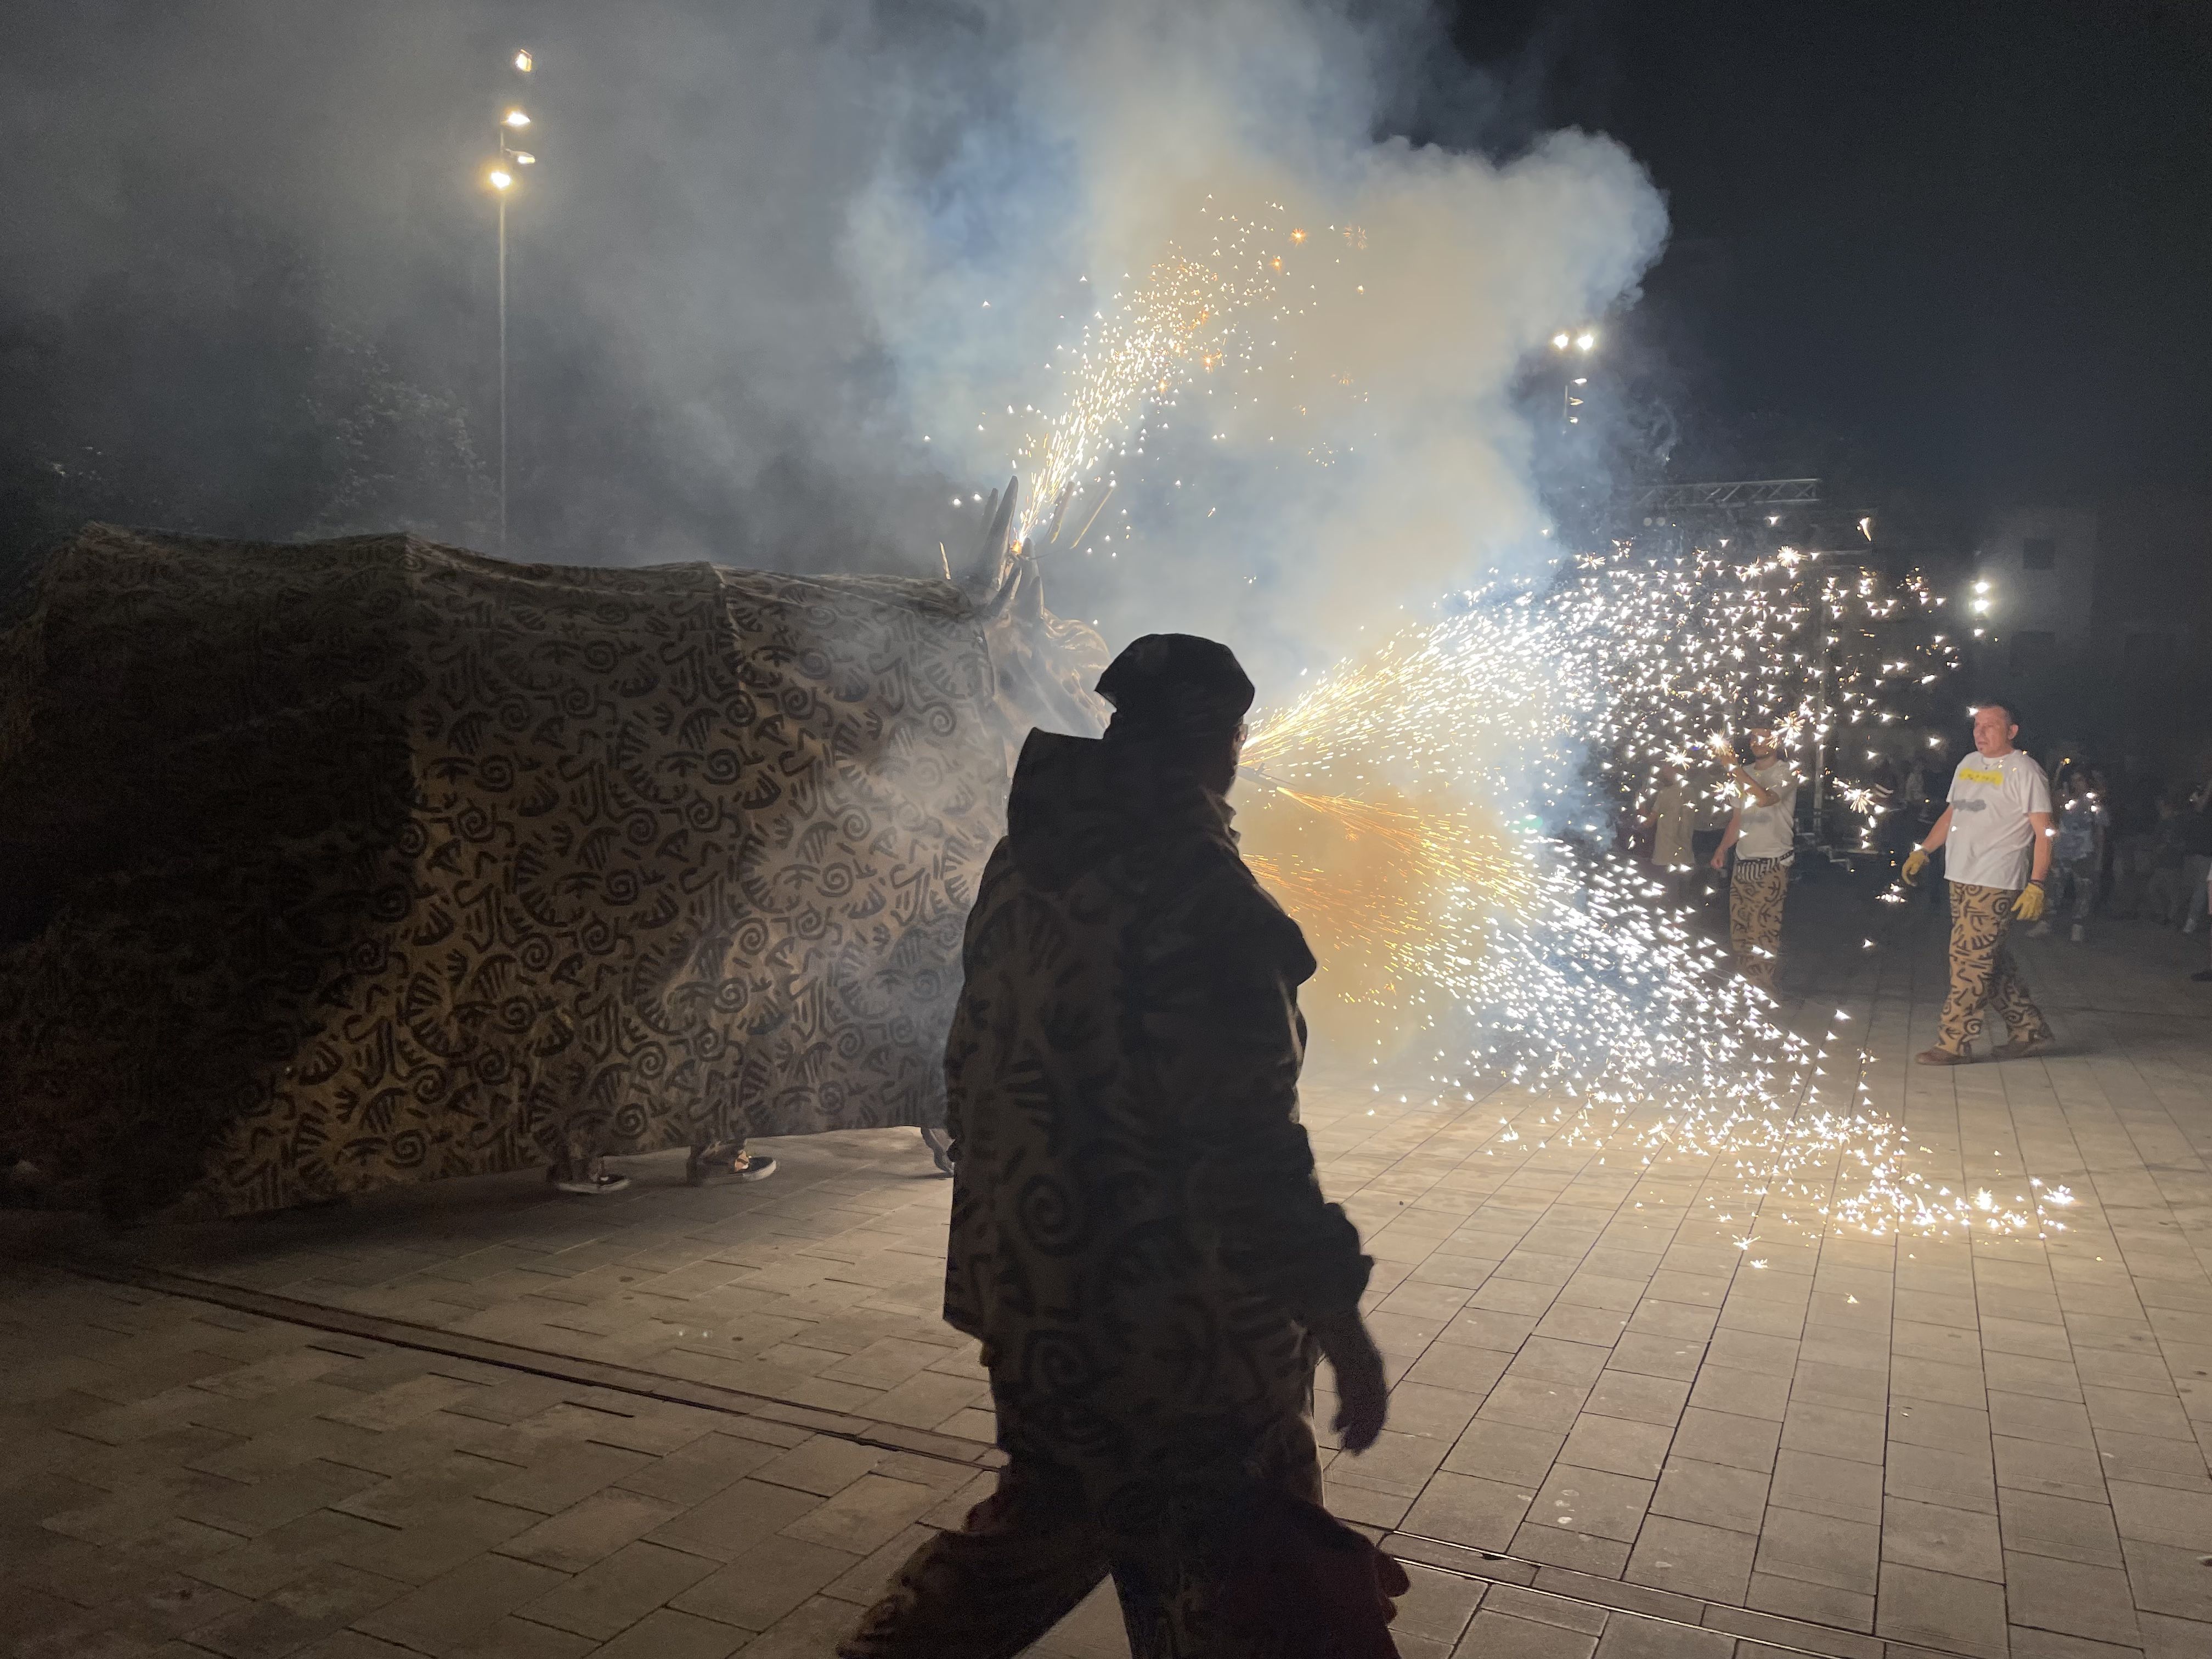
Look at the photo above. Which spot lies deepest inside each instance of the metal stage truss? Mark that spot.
(1740, 495)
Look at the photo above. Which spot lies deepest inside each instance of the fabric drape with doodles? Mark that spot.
(373, 862)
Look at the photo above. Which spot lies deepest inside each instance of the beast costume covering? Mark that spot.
(336, 866)
(1138, 1236)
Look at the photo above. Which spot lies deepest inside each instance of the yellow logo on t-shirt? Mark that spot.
(1968, 776)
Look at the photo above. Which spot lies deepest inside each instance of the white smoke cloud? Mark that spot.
(1371, 450)
(749, 270)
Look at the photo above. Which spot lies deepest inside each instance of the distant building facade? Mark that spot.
(2041, 565)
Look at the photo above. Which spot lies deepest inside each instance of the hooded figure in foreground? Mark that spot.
(1138, 1237)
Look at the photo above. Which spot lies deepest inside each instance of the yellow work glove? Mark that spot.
(2029, 906)
(1914, 862)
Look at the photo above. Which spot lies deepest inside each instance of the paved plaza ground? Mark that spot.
(479, 1418)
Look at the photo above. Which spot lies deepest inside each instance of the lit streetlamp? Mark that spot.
(1578, 342)
(500, 177)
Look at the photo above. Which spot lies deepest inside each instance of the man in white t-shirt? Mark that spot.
(1996, 834)
(1763, 833)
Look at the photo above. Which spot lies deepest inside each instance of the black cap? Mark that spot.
(1176, 686)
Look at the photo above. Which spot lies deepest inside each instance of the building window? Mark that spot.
(2032, 649)
(2038, 553)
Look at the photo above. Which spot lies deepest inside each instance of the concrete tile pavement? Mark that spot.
(1611, 1430)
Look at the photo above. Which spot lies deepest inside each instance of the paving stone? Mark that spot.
(821, 1466)
(1618, 1445)
(463, 1603)
(864, 1516)
(865, 1582)
(1834, 1432)
(2170, 1580)
(1940, 1610)
(766, 1583)
(1627, 1637)
(1585, 1500)
(2162, 1515)
(565, 1475)
(1692, 1559)
(667, 1634)
(2062, 1471)
(1584, 1552)
(808, 1633)
(1742, 1392)
(1505, 1451)
(1566, 1612)
(1942, 1540)
(1397, 1464)
(590, 1531)
(696, 1472)
(1639, 1398)
(1821, 1549)
(422, 1551)
(1500, 1636)
(606, 1598)
(1466, 1509)
(318, 1603)
(2168, 1637)
(2038, 1523)
(1822, 1606)
(726, 1525)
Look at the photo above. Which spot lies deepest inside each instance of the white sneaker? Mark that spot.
(594, 1180)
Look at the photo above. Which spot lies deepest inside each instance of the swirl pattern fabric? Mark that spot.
(1984, 976)
(375, 861)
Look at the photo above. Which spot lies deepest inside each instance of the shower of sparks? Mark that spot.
(1440, 813)
(1189, 316)
(1559, 955)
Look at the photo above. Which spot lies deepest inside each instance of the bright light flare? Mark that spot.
(500, 177)
(524, 61)
(515, 118)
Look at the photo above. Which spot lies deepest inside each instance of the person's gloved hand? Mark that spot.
(1363, 1392)
(2030, 905)
(1914, 862)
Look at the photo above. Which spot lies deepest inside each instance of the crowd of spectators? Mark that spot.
(2131, 844)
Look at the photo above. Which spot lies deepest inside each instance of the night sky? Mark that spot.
(1958, 249)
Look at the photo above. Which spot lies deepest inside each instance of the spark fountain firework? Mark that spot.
(1438, 811)
(1192, 314)
(1557, 957)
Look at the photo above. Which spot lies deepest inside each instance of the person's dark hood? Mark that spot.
(1079, 802)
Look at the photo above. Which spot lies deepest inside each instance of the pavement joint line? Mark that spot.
(1521, 1563)
(731, 1402)
(537, 1362)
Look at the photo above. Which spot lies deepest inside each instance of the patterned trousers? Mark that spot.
(1033, 1549)
(1982, 970)
(1756, 892)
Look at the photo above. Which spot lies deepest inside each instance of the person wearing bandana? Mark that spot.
(1138, 1240)
(1997, 835)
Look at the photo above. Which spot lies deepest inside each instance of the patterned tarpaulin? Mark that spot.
(369, 861)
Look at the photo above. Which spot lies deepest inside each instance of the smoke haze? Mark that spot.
(749, 282)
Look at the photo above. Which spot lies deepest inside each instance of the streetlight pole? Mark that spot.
(1583, 340)
(502, 371)
(502, 180)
